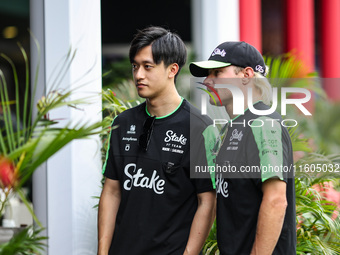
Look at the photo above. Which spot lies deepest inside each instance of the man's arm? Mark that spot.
(202, 222)
(107, 212)
(271, 217)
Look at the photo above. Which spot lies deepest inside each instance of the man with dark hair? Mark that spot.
(255, 192)
(149, 204)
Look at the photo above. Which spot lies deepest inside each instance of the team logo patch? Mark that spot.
(171, 136)
(259, 68)
(132, 130)
(236, 135)
(174, 142)
(218, 51)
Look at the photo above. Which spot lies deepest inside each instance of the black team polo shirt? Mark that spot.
(158, 197)
(255, 149)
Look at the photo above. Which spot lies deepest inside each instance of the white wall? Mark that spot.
(213, 22)
(64, 186)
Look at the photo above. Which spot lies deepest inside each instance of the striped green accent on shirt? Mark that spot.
(210, 134)
(108, 147)
(268, 139)
(162, 117)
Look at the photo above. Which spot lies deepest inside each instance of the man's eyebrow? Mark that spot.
(145, 62)
(212, 70)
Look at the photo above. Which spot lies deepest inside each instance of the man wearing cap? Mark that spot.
(255, 193)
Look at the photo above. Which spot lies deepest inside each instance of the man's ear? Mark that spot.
(248, 72)
(173, 70)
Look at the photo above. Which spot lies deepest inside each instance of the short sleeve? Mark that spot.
(202, 159)
(108, 168)
(210, 134)
(268, 138)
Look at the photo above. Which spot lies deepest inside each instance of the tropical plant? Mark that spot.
(116, 72)
(26, 242)
(210, 247)
(318, 226)
(114, 102)
(324, 127)
(123, 96)
(33, 140)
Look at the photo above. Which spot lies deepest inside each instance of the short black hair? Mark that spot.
(166, 46)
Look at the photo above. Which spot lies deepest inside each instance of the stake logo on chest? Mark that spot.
(174, 142)
(136, 178)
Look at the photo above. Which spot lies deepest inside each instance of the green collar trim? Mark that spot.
(162, 117)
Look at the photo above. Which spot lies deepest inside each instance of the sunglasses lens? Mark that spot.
(143, 141)
(148, 124)
(144, 138)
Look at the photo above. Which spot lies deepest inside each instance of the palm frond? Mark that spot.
(29, 143)
(26, 242)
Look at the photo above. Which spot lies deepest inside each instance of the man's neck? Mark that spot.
(230, 109)
(162, 106)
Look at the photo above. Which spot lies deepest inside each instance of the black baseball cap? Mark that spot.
(239, 54)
